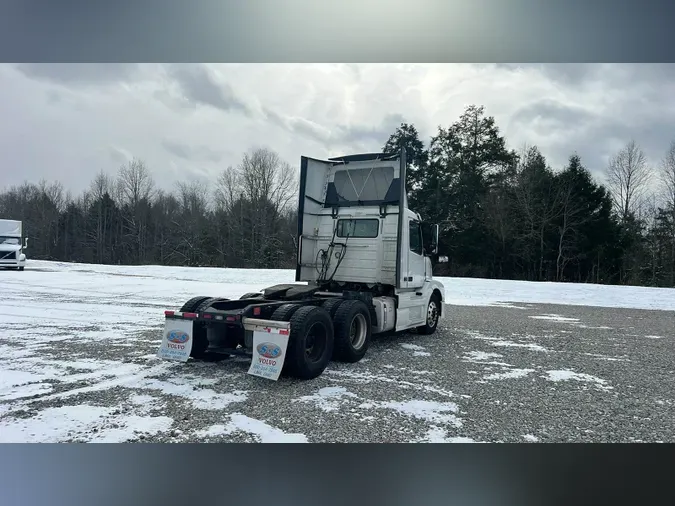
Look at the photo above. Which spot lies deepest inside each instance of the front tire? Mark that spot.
(433, 315)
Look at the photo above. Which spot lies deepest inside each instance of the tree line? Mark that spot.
(246, 218)
(503, 213)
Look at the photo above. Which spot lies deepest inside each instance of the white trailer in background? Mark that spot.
(12, 244)
(364, 267)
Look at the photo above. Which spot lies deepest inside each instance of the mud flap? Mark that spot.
(176, 340)
(269, 349)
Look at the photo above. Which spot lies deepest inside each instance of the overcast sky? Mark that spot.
(68, 122)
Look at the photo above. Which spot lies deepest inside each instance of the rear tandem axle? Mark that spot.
(292, 329)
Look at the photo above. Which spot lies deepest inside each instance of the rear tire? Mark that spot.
(433, 315)
(332, 305)
(284, 312)
(310, 344)
(206, 303)
(191, 305)
(352, 331)
(200, 341)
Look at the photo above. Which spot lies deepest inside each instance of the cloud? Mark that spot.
(77, 74)
(191, 153)
(119, 155)
(69, 122)
(199, 86)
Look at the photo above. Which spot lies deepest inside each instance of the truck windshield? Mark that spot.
(9, 240)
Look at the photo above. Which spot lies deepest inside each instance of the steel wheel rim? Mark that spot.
(315, 342)
(358, 331)
(432, 314)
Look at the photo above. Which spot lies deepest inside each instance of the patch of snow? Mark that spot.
(328, 398)
(52, 425)
(654, 337)
(503, 343)
(17, 384)
(26, 391)
(601, 327)
(418, 351)
(555, 318)
(200, 398)
(606, 358)
(81, 423)
(567, 375)
(488, 292)
(509, 374)
(435, 412)
(145, 403)
(530, 438)
(264, 432)
(438, 435)
(507, 305)
(213, 431)
(130, 426)
(481, 355)
(365, 377)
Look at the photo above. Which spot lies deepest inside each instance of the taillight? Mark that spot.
(168, 313)
(256, 311)
(190, 315)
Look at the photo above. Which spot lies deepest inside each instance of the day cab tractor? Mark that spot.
(364, 267)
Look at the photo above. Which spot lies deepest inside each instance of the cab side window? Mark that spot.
(415, 234)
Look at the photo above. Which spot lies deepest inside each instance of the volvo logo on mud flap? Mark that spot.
(177, 336)
(269, 350)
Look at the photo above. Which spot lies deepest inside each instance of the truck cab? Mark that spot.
(355, 231)
(12, 245)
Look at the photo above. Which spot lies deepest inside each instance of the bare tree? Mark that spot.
(101, 186)
(225, 193)
(572, 216)
(194, 208)
(135, 183)
(265, 176)
(628, 177)
(135, 190)
(668, 176)
(538, 200)
(668, 185)
(254, 197)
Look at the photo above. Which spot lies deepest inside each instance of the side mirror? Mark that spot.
(25, 243)
(430, 238)
(434, 239)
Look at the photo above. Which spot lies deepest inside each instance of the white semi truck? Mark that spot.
(12, 244)
(364, 266)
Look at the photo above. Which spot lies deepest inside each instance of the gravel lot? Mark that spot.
(517, 373)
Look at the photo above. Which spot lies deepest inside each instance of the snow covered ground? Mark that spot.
(78, 343)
